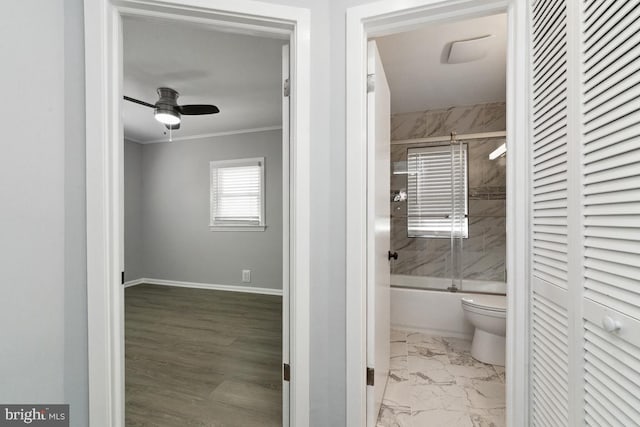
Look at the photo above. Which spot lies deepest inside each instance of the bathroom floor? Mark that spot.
(434, 381)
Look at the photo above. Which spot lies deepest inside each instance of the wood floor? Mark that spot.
(197, 357)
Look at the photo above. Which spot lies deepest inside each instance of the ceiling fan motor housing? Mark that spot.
(168, 102)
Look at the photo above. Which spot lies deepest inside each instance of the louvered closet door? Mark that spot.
(611, 204)
(549, 315)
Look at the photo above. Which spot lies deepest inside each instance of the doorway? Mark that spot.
(103, 27)
(203, 225)
(371, 21)
(447, 223)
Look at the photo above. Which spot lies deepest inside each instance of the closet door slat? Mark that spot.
(611, 208)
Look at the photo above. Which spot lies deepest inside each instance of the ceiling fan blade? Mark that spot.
(137, 101)
(173, 127)
(197, 109)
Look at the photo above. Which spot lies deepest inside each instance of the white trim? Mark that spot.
(135, 282)
(210, 286)
(447, 138)
(105, 260)
(382, 18)
(518, 215)
(209, 135)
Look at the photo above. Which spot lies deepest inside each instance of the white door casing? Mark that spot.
(378, 231)
(286, 206)
(103, 67)
(383, 18)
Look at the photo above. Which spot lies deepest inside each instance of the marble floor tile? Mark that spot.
(441, 418)
(434, 381)
(394, 416)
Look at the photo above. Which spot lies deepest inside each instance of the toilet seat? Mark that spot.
(490, 304)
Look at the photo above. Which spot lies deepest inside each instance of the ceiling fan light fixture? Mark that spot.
(167, 116)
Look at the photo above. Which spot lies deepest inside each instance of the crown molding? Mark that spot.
(209, 135)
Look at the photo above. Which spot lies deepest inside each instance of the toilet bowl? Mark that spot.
(488, 314)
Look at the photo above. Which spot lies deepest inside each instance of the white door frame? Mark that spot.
(385, 17)
(105, 260)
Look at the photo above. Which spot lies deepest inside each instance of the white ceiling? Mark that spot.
(419, 77)
(239, 73)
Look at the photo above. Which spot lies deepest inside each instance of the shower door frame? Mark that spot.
(383, 18)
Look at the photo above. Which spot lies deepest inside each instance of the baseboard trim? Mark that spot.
(134, 283)
(436, 332)
(210, 286)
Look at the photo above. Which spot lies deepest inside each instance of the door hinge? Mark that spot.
(370, 376)
(286, 88)
(371, 82)
(122, 278)
(286, 372)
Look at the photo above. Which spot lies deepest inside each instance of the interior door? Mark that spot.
(610, 182)
(286, 190)
(378, 234)
(585, 311)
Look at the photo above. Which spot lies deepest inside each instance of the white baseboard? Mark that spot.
(435, 332)
(134, 282)
(211, 286)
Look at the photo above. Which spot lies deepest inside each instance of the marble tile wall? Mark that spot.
(484, 252)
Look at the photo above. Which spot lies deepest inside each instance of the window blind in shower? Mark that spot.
(437, 191)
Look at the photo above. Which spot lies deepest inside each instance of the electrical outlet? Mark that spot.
(246, 276)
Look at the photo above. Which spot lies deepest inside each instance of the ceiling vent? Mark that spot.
(469, 50)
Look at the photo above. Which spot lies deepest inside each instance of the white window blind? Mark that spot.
(437, 191)
(237, 194)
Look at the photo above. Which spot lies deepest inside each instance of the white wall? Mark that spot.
(33, 244)
(76, 387)
(167, 211)
(32, 194)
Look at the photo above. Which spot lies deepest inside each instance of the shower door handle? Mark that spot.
(393, 255)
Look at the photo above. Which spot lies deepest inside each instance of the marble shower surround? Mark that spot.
(484, 252)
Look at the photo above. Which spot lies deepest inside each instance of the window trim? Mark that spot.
(214, 165)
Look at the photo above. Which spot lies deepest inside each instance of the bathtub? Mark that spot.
(437, 312)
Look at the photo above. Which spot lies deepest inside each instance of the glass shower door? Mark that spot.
(459, 213)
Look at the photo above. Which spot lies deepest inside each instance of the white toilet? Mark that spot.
(488, 314)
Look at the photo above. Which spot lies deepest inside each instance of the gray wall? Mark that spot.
(39, 26)
(172, 205)
(32, 193)
(43, 340)
(133, 221)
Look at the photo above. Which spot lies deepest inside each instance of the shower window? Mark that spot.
(437, 192)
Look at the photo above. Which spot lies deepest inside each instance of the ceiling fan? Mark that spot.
(168, 112)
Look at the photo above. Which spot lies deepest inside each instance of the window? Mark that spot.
(237, 195)
(437, 191)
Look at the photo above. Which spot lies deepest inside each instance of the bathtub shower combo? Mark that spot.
(448, 229)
